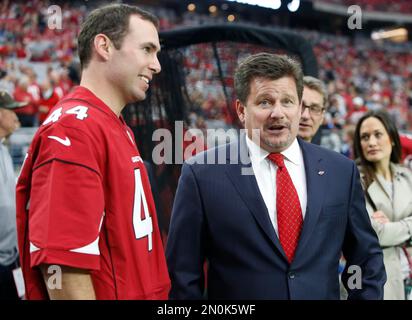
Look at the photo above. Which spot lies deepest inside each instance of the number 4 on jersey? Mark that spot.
(142, 227)
(79, 111)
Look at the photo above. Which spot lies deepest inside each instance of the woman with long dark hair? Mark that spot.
(388, 193)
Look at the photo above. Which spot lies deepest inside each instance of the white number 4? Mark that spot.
(79, 111)
(142, 227)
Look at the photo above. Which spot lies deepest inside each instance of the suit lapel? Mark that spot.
(247, 187)
(401, 191)
(378, 195)
(393, 208)
(315, 177)
(375, 188)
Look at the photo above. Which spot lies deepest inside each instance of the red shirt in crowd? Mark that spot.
(22, 95)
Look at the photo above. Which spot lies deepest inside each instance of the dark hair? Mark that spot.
(269, 66)
(367, 167)
(111, 20)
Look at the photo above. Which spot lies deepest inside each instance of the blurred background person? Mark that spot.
(27, 115)
(359, 109)
(9, 258)
(388, 189)
(406, 143)
(315, 97)
(49, 98)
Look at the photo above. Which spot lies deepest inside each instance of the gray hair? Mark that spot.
(317, 85)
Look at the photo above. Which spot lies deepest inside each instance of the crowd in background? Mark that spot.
(39, 65)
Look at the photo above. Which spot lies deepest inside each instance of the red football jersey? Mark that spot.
(406, 144)
(84, 200)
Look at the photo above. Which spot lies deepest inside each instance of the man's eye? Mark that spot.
(316, 109)
(265, 103)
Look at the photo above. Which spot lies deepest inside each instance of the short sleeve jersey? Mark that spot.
(84, 201)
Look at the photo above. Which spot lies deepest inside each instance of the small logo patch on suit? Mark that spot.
(321, 173)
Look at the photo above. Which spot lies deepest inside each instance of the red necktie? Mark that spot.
(288, 209)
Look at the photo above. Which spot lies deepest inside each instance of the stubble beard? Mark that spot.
(278, 145)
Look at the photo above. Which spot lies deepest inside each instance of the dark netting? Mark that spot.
(196, 87)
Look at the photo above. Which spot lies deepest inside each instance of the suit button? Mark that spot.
(291, 275)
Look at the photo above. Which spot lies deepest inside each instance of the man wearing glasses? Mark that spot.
(313, 107)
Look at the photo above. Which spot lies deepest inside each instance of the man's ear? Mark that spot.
(240, 109)
(102, 45)
(323, 117)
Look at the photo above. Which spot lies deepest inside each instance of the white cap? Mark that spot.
(358, 101)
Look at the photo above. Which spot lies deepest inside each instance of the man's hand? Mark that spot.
(76, 284)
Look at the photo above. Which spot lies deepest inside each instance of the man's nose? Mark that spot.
(305, 115)
(155, 66)
(277, 111)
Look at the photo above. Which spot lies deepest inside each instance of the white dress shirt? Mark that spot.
(265, 173)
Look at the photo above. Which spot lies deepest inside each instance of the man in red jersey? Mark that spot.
(87, 225)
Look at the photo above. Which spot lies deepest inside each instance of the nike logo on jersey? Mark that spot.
(66, 142)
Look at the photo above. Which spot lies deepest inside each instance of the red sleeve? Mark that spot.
(66, 201)
(66, 210)
(406, 144)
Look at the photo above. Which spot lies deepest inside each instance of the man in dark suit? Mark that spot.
(273, 226)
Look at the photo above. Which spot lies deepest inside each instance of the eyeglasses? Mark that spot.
(314, 110)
